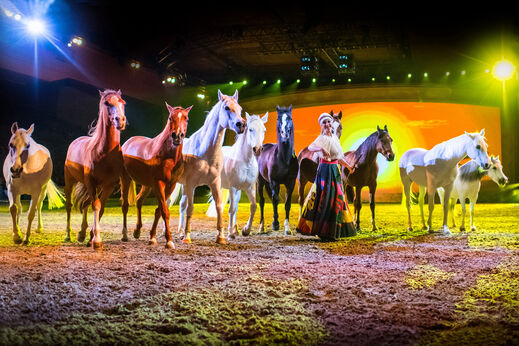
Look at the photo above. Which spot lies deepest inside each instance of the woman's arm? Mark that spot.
(343, 163)
(315, 148)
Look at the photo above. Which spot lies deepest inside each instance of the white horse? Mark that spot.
(438, 167)
(203, 161)
(27, 170)
(240, 171)
(467, 185)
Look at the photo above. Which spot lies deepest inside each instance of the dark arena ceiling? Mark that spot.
(208, 43)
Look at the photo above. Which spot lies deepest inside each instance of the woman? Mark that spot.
(325, 211)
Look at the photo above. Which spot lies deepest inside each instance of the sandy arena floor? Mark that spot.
(385, 287)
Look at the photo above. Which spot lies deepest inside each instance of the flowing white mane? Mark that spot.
(200, 141)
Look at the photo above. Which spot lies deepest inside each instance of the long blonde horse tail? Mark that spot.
(132, 194)
(175, 195)
(55, 196)
(211, 211)
(80, 197)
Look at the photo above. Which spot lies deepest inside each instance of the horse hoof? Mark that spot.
(152, 241)
(409, 229)
(245, 232)
(81, 236)
(186, 240)
(462, 229)
(170, 245)
(97, 245)
(39, 230)
(66, 240)
(221, 240)
(424, 228)
(231, 236)
(124, 238)
(289, 232)
(25, 242)
(136, 234)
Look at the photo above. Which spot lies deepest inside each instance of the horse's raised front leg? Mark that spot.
(251, 194)
(217, 197)
(274, 195)
(15, 209)
(288, 204)
(372, 190)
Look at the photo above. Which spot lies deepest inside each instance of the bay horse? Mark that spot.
(467, 185)
(309, 161)
(363, 160)
(94, 164)
(203, 161)
(278, 165)
(156, 164)
(27, 170)
(438, 167)
(240, 171)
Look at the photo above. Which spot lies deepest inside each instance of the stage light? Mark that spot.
(426, 74)
(278, 81)
(314, 80)
(388, 77)
(244, 82)
(503, 70)
(333, 80)
(17, 17)
(349, 80)
(463, 72)
(264, 82)
(231, 83)
(8, 13)
(409, 75)
(298, 81)
(200, 96)
(36, 27)
(372, 79)
(135, 64)
(447, 73)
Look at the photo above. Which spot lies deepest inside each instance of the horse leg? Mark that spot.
(406, 183)
(372, 190)
(472, 207)
(69, 184)
(84, 226)
(274, 194)
(448, 190)
(187, 205)
(252, 199)
(182, 214)
(288, 203)
(301, 192)
(421, 200)
(39, 206)
(357, 206)
(125, 182)
(234, 198)
(143, 193)
(217, 196)
(452, 204)
(96, 241)
(261, 183)
(15, 209)
(463, 213)
(431, 188)
(35, 196)
(161, 193)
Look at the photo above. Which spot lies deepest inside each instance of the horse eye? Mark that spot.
(478, 147)
(494, 168)
(227, 108)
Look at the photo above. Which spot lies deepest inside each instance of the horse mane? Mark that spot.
(470, 171)
(366, 147)
(97, 129)
(204, 141)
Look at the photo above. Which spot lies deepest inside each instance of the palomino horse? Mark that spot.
(94, 164)
(467, 185)
(438, 167)
(203, 161)
(363, 160)
(240, 170)
(278, 165)
(309, 161)
(27, 170)
(156, 164)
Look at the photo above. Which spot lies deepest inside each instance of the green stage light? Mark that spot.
(278, 81)
(231, 83)
(409, 75)
(426, 74)
(313, 80)
(298, 81)
(264, 82)
(503, 70)
(244, 82)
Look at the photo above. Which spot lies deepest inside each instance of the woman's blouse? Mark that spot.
(330, 144)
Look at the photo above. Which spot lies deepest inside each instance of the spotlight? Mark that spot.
(409, 75)
(314, 80)
(278, 81)
(135, 64)
(200, 96)
(36, 27)
(388, 77)
(17, 16)
(264, 82)
(503, 70)
(298, 81)
(244, 82)
(231, 83)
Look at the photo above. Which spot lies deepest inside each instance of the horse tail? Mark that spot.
(349, 193)
(80, 197)
(414, 197)
(132, 194)
(211, 211)
(55, 196)
(175, 195)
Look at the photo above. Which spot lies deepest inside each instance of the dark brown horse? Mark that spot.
(309, 161)
(365, 170)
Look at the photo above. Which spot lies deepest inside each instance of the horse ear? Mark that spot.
(470, 135)
(339, 115)
(14, 127)
(30, 130)
(101, 93)
(247, 116)
(492, 159)
(170, 109)
(235, 96)
(497, 157)
(277, 108)
(189, 108)
(378, 128)
(331, 113)
(219, 95)
(482, 133)
(385, 128)
(290, 108)
(265, 118)
(119, 92)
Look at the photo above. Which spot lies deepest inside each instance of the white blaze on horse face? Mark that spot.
(117, 112)
(19, 143)
(284, 126)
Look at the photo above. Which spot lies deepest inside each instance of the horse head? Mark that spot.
(255, 132)
(476, 148)
(177, 121)
(114, 108)
(495, 171)
(285, 125)
(230, 113)
(384, 143)
(337, 125)
(19, 148)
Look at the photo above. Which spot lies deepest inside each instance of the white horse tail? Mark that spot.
(132, 195)
(175, 195)
(80, 197)
(211, 211)
(55, 196)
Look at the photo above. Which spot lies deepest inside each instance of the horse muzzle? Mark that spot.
(16, 172)
(240, 126)
(502, 182)
(177, 139)
(390, 157)
(257, 150)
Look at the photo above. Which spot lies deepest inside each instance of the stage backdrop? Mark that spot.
(410, 124)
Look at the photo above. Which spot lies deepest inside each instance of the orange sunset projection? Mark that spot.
(410, 124)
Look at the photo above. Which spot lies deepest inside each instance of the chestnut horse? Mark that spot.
(278, 165)
(365, 170)
(156, 164)
(94, 164)
(309, 161)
